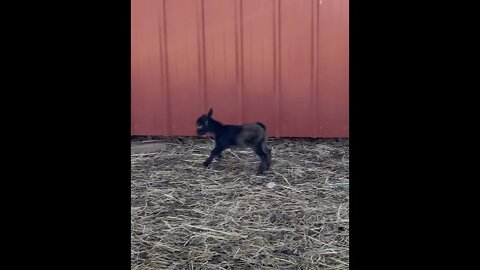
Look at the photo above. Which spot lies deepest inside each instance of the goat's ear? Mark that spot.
(210, 113)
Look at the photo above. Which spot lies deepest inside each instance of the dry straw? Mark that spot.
(184, 216)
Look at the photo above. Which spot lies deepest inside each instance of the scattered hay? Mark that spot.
(187, 217)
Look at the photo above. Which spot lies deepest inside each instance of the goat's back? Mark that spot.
(250, 135)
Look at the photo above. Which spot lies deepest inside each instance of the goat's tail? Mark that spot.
(264, 130)
(262, 125)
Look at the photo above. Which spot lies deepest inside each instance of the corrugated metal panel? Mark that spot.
(282, 62)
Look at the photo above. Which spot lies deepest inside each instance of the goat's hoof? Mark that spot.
(206, 164)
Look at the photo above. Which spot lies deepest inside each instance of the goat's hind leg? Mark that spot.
(264, 157)
(266, 152)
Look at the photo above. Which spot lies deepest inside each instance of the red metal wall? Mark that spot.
(282, 62)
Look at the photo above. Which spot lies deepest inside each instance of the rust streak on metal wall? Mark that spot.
(281, 62)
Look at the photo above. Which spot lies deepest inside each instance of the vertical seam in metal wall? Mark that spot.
(241, 63)
(238, 48)
(312, 62)
(201, 55)
(205, 93)
(133, 74)
(314, 80)
(317, 92)
(162, 63)
(275, 94)
(346, 21)
(277, 64)
(167, 87)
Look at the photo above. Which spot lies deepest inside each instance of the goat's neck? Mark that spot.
(216, 127)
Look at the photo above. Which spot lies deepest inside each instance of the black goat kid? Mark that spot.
(253, 136)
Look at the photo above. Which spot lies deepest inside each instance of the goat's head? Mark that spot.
(203, 123)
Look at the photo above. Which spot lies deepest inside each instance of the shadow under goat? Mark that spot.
(252, 135)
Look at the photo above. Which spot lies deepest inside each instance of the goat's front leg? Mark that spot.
(215, 152)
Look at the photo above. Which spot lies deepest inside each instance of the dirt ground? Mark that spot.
(184, 216)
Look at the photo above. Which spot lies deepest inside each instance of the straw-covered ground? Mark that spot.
(184, 216)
